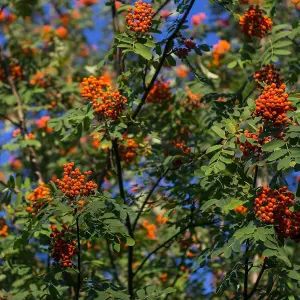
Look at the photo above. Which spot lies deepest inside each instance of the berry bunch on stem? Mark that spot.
(62, 246)
(139, 19)
(255, 23)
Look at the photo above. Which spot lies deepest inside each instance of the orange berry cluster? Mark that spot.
(3, 228)
(268, 74)
(38, 198)
(62, 247)
(42, 124)
(271, 206)
(248, 148)
(89, 2)
(182, 146)
(241, 209)
(187, 45)
(151, 228)
(192, 100)
(41, 79)
(254, 23)
(74, 184)
(161, 219)
(272, 105)
(140, 19)
(219, 51)
(15, 71)
(128, 150)
(160, 92)
(106, 101)
(290, 227)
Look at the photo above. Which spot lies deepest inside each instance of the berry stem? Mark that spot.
(247, 246)
(78, 259)
(162, 60)
(128, 223)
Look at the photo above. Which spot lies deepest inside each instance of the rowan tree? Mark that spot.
(139, 160)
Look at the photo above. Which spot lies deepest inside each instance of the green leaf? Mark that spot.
(284, 163)
(232, 64)
(142, 50)
(282, 52)
(208, 204)
(130, 241)
(213, 148)
(277, 154)
(219, 131)
(273, 145)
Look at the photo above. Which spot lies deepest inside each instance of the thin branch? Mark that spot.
(246, 297)
(10, 120)
(128, 223)
(161, 8)
(162, 60)
(246, 271)
(78, 259)
(262, 270)
(22, 123)
(148, 197)
(164, 245)
(115, 271)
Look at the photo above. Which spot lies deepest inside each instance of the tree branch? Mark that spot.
(161, 8)
(128, 223)
(164, 244)
(148, 197)
(162, 60)
(262, 270)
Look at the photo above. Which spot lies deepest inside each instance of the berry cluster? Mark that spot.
(272, 105)
(106, 101)
(268, 74)
(182, 146)
(61, 32)
(151, 228)
(74, 184)
(89, 2)
(140, 19)
(192, 100)
(3, 228)
(186, 46)
(241, 209)
(161, 219)
(42, 124)
(7, 18)
(38, 198)
(271, 206)
(41, 79)
(15, 71)
(219, 51)
(290, 227)
(128, 149)
(254, 23)
(160, 92)
(248, 148)
(62, 247)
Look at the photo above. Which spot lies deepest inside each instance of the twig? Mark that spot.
(262, 270)
(246, 271)
(128, 223)
(162, 60)
(161, 8)
(78, 259)
(115, 271)
(22, 123)
(247, 247)
(164, 244)
(148, 197)
(10, 120)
